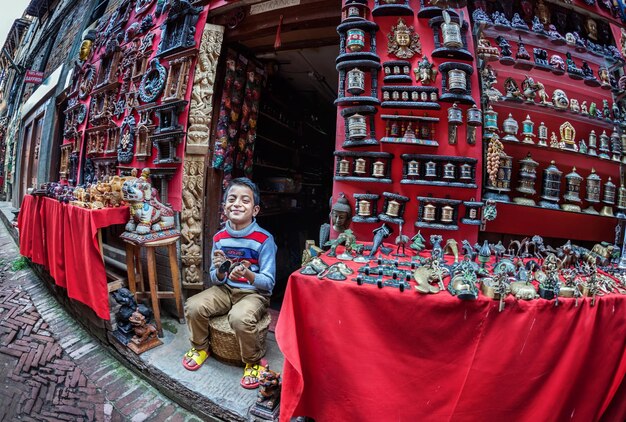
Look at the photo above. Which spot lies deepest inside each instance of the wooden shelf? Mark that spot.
(559, 155)
(550, 112)
(273, 167)
(278, 144)
(531, 39)
(523, 220)
(278, 122)
(316, 129)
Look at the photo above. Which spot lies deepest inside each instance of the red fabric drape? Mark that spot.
(64, 239)
(362, 353)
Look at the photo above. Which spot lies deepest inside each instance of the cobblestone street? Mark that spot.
(52, 369)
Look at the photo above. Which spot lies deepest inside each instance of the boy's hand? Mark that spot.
(218, 259)
(240, 271)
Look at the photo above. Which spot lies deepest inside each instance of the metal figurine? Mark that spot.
(518, 22)
(522, 53)
(380, 234)
(505, 47)
(425, 72)
(485, 51)
(418, 242)
(401, 241)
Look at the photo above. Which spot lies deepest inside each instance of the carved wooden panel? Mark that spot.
(66, 150)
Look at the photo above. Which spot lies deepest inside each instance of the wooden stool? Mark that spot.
(224, 344)
(136, 282)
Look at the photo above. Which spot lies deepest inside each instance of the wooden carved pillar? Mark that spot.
(196, 153)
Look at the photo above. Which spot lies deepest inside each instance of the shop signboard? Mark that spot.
(33, 77)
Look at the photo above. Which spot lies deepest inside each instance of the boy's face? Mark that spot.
(239, 206)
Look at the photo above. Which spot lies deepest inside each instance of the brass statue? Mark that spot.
(403, 42)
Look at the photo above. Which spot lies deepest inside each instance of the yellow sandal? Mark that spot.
(194, 359)
(250, 373)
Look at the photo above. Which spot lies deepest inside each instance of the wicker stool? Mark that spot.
(224, 345)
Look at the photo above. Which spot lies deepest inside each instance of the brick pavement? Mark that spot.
(53, 370)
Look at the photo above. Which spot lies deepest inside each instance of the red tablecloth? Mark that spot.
(64, 239)
(359, 353)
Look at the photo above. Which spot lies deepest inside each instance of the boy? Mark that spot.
(242, 290)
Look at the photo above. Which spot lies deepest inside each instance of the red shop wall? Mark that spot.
(363, 231)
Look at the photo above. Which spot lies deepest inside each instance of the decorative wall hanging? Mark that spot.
(439, 170)
(453, 43)
(166, 144)
(551, 188)
(472, 212)
(397, 71)
(572, 191)
(455, 82)
(127, 140)
(109, 63)
(87, 82)
(102, 106)
(393, 208)
(437, 213)
(152, 82)
(96, 139)
(249, 115)
(64, 162)
(104, 167)
(179, 28)
(142, 58)
(144, 129)
(112, 136)
(366, 208)
(526, 180)
(167, 116)
(142, 5)
(363, 166)
(420, 97)
(414, 130)
(356, 122)
(402, 41)
(391, 8)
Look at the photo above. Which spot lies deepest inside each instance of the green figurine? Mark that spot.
(419, 243)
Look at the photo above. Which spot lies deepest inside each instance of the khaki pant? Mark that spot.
(245, 309)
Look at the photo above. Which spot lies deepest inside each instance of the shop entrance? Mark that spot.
(293, 49)
(294, 153)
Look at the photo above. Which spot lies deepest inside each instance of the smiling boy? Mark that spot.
(240, 288)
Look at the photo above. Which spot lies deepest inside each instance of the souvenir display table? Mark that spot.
(357, 352)
(64, 239)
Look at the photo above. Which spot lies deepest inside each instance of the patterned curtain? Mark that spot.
(236, 128)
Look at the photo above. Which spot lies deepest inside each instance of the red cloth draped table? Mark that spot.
(360, 353)
(64, 239)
